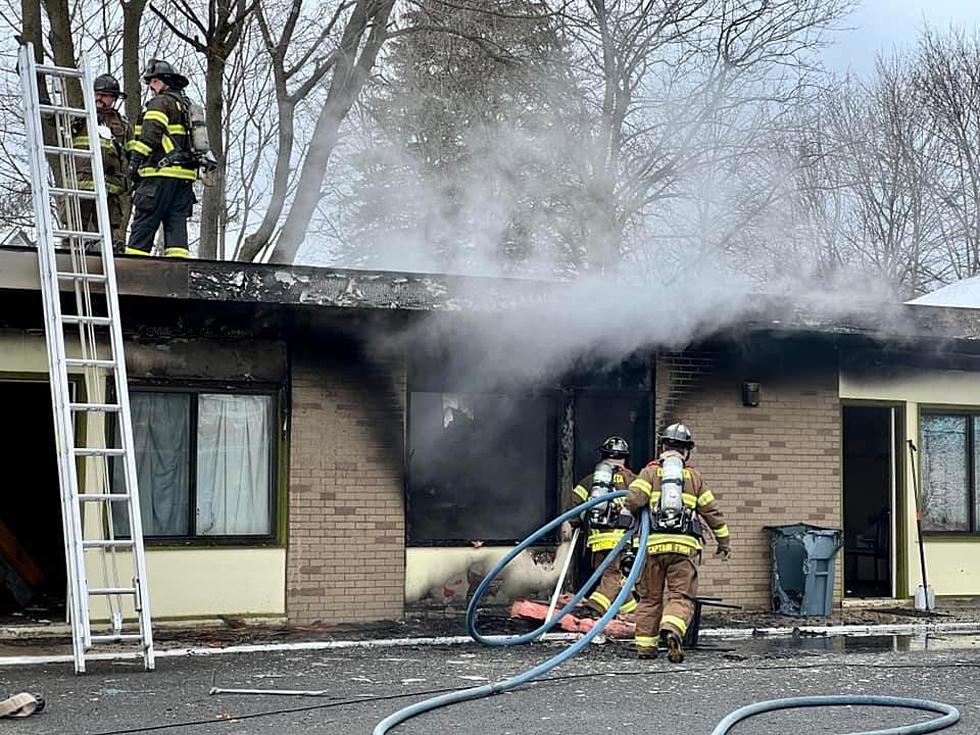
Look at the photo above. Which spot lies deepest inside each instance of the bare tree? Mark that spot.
(948, 82)
(133, 14)
(215, 37)
(290, 54)
(682, 85)
(365, 29)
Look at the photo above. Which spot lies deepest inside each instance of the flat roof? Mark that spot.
(333, 288)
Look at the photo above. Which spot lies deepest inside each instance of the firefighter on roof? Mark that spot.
(676, 497)
(606, 522)
(162, 165)
(113, 133)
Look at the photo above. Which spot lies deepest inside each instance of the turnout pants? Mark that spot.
(161, 200)
(679, 575)
(609, 586)
(119, 207)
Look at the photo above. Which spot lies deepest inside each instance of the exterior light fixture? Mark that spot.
(750, 394)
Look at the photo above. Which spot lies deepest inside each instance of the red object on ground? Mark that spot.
(536, 610)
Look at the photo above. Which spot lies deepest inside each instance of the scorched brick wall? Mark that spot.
(346, 552)
(775, 464)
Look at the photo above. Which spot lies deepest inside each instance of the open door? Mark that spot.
(32, 554)
(869, 501)
(599, 414)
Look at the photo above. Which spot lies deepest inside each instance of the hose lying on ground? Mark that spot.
(464, 695)
(950, 714)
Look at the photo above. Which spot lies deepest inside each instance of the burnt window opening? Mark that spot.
(600, 414)
(949, 472)
(481, 467)
(206, 465)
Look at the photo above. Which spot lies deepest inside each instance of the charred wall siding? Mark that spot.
(346, 529)
(778, 463)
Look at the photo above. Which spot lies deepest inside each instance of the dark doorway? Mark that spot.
(869, 477)
(32, 556)
(600, 414)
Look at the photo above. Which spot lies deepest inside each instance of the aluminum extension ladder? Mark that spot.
(93, 433)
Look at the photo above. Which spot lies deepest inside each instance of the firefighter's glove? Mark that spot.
(724, 551)
(136, 161)
(565, 534)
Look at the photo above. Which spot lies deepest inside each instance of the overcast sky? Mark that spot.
(880, 25)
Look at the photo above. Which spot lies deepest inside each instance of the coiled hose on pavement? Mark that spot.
(950, 714)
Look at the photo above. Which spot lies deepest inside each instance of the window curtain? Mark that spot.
(945, 475)
(161, 425)
(233, 465)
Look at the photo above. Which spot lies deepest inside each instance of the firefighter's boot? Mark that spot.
(675, 651)
(647, 653)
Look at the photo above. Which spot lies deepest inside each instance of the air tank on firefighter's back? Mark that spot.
(671, 491)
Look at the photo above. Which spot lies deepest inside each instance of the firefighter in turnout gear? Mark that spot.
(606, 523)
(113, 132)
(162, 165)
(675, 494)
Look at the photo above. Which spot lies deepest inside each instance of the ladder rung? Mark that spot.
(80, 193)
(107, 407)
(81, 234)
(112, 638)
(123, 543)
(74, 111)
(77, 319)
(112, 590)
(80, 152)
(93, 497)
(98, 451)
(89, 362)
(95, 277)
(60, 71)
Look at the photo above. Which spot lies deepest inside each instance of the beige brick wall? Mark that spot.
(346, 549)
(778, 463)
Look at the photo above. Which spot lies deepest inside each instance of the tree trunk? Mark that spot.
(132, 17)
(213, 200)
(280, 184)
(345, 85)
(31, 14)
(62, 45)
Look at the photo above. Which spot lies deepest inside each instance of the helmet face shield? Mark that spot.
(615, 447)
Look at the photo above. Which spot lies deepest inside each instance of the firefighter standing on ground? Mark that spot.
(676, 496)
(602, 537)
(113, 132)
(162, 165)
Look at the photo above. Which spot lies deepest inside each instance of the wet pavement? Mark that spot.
(604, 689)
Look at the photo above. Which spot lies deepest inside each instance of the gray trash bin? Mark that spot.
(803, 568)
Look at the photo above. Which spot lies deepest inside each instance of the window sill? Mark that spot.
(213, 543)
(409, 544)
(951, 535)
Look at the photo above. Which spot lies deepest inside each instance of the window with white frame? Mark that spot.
(205, 463)
(950, 467)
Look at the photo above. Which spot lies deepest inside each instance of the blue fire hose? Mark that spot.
(464, 695)
(950, 714)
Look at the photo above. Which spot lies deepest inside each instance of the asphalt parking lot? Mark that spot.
(604, 689)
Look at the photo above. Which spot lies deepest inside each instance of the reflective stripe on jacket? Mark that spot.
(645, 490)
(114, 158)
(600, 539)
(161, 135)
